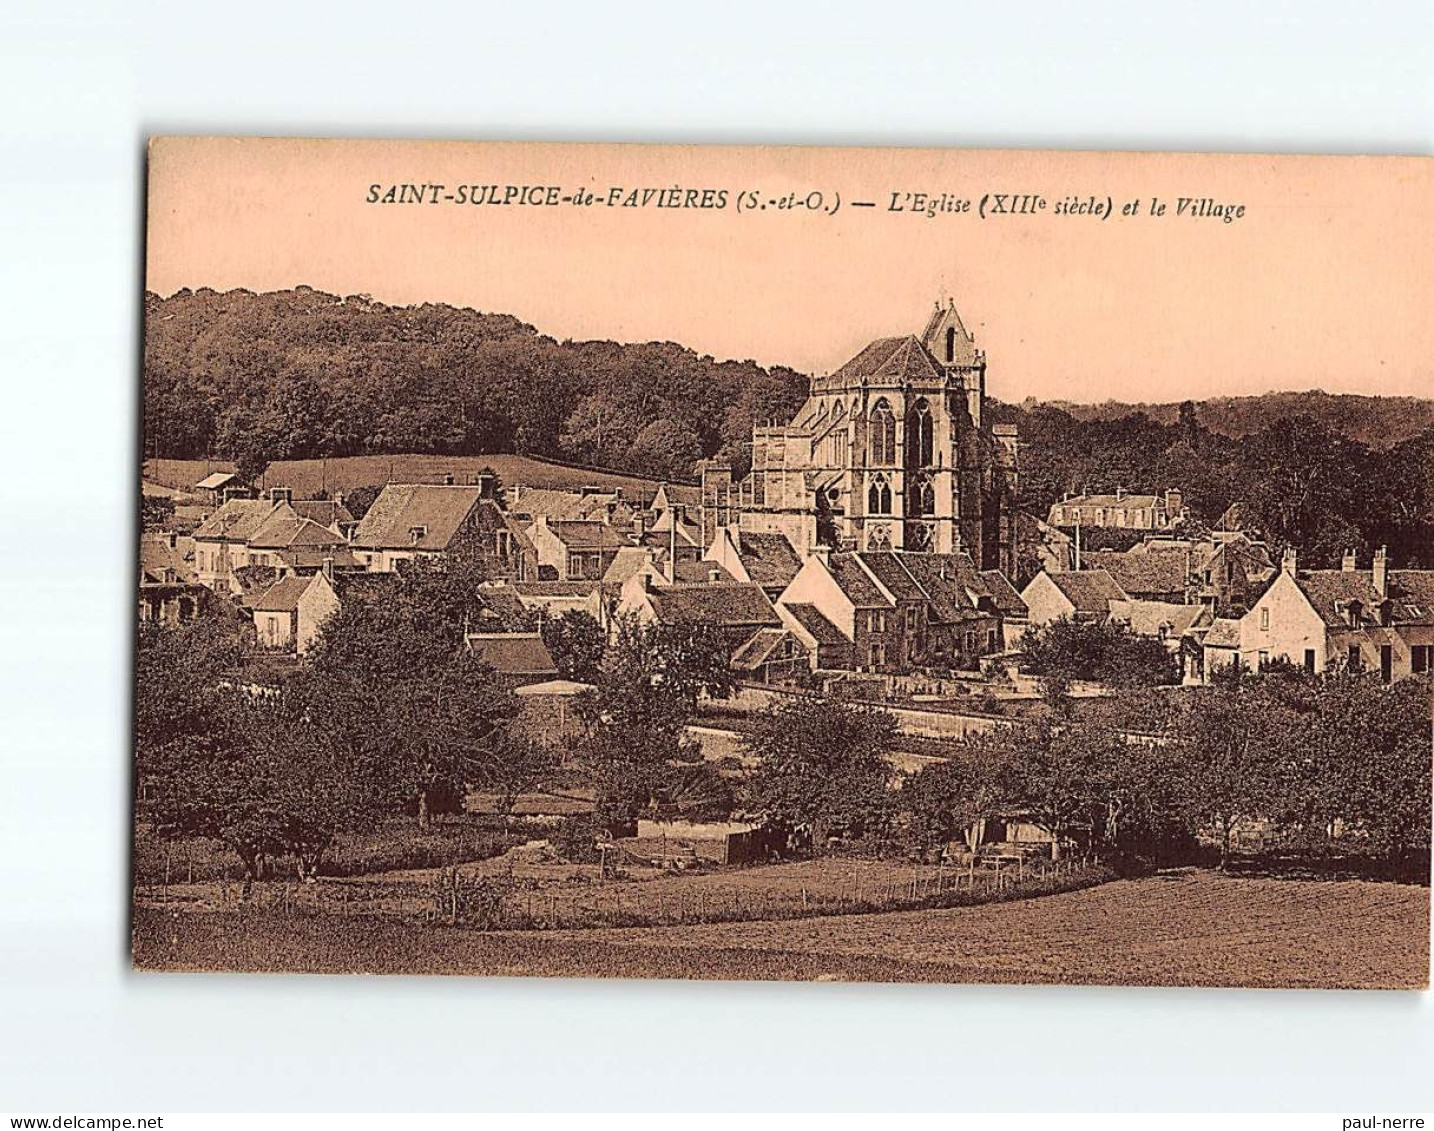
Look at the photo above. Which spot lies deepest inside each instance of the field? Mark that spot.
(306, 476)
(1181, 928)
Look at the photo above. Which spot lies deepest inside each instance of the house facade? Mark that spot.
(1079, 595)
(1376, 619)
(1120, 510)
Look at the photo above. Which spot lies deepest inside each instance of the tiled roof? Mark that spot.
(1224, 633)
(555, 588)
(952, 583)
(1330, 591)
(860, 590)
(513, 653)
(769, 559)
(326, 512)
(902, 358)
(284, 529)
(1127, 501)
(583, 535)
(1146, 618)
(701, 572)
(756, 651)
(1089, 590)
(812, 619)
(885, 567)
(157, 556)
(737, 603)
(238, 519)
(313, 557)
(502, 606)
(283, 596)
(559, 505)
(434, 512)
(1003, 594)
(1151, 571)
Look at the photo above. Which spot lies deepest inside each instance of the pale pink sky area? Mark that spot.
(1324, 283)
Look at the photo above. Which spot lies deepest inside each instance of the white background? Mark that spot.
(83, 85)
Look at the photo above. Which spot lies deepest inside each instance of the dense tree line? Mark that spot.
(299, 374)
(1335, 763)
(1297, 480)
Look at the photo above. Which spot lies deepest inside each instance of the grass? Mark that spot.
(307, 476)
(1181, 928)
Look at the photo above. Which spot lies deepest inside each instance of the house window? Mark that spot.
(575, 565)
(1310, 660)
(1352, 657)
(970, 642)
(876, 655)
(1419, 657)
(883, 436)
(1265, 619)
(504, 543)
(911, 617)
(990, 640)
(1386, 662)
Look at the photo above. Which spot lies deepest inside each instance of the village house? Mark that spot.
(219, 487)
(169, 589)
(1376, 619)
(276, 612)
(893, 611)
(411, 521)
(1079, 595)
(768, 560)
(1120, 510)
(1152, 575)
(549, 599)
(736, 610)
(590, 504)
(517, 658)
(575, 549)
(221, 542)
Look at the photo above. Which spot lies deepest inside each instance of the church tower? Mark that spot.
(892, 451)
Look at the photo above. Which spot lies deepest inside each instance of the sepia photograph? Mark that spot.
(796, 564)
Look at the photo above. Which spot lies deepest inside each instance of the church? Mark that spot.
(891, 451)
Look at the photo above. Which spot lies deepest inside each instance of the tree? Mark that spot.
(391, 678)
(1056, 778)
(1232, 737)
(519, 765)
(577, 643)
(822, 769)
(952, 798)
(1067, 650)
(635, 745)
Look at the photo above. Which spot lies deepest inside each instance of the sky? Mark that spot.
(1324, 282)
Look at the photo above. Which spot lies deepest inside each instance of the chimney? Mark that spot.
(1174, 501)
(1287, 563)
(590, 489)
(328, 568)
(1381, 572)
(541, 520)
(484, 482)
(638, 527)
(647, 581)
(448, 479)
(1348, 564)
(338, 499)
(279, 495)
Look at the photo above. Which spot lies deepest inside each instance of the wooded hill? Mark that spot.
(1380, 422)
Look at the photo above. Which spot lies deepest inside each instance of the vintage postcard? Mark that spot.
(785, 563)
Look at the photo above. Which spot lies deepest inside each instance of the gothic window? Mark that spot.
(950, 343)
(883, 435)
(918, 537)
(878, 497)
(878, 538)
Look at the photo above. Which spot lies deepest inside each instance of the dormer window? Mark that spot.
(416, 534)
